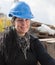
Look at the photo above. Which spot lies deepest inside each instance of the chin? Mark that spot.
(24, 31)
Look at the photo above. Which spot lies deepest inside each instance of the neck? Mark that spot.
(21, 34)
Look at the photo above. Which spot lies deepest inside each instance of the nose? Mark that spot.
(24, 22)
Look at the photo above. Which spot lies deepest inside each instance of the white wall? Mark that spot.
(43, 10)
(5, 5)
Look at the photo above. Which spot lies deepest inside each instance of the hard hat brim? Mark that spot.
(24, 17)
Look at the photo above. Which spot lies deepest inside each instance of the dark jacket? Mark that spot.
(11, 53)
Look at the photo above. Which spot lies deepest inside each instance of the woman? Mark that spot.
(19, 47)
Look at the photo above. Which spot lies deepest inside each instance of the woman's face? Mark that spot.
(22, 25)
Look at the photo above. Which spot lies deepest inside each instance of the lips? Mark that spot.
(23, 27)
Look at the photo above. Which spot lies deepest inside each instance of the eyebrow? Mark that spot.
(20, 19)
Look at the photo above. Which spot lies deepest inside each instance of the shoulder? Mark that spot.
(36, 42)
(33, 37)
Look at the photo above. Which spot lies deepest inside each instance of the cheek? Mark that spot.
(16, 25)
(28, 24)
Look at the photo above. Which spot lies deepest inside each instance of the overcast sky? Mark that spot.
(43, 10)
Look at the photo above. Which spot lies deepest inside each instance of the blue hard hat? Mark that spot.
(21, 10)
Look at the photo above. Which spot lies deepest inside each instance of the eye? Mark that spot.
(20, 20)
(26, 19)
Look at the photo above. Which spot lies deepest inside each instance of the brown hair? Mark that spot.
(13, 19)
